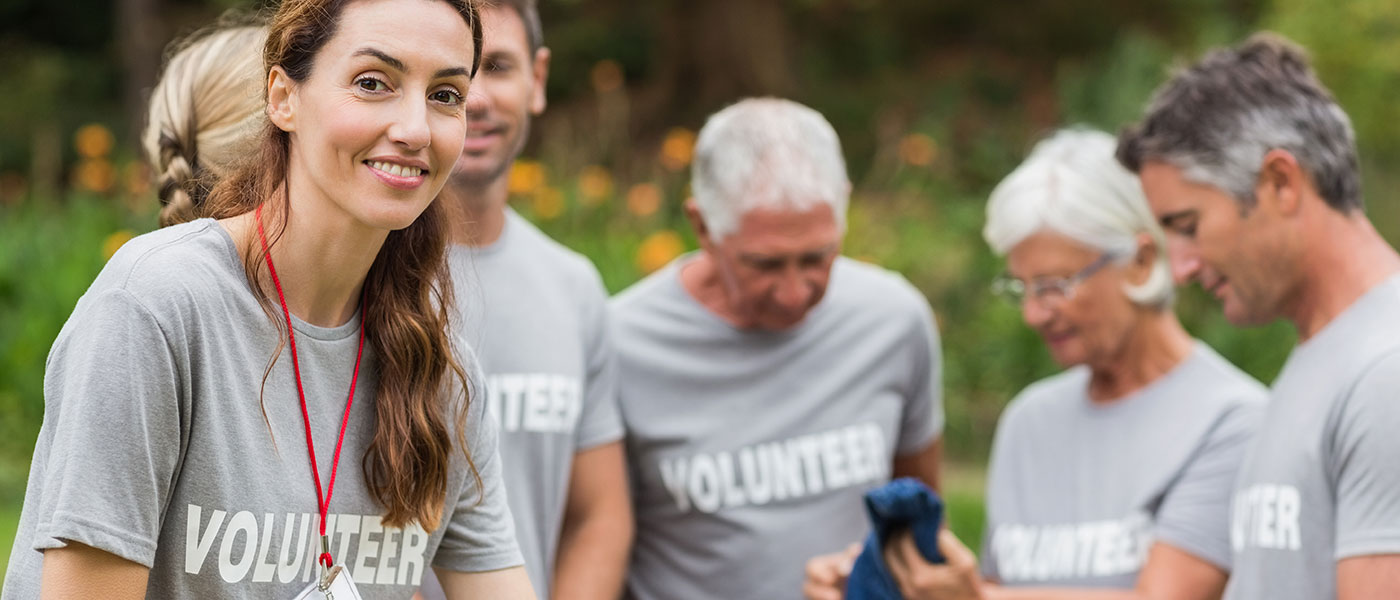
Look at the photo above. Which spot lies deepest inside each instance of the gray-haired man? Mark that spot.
(765, 381)
(1251, 167)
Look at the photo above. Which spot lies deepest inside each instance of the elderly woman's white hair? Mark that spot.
(767, 153)
(1071, 184)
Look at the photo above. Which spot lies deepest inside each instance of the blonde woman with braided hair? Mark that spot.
(205, 114)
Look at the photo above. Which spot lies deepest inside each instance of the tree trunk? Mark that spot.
(714, 53)
(139, 39)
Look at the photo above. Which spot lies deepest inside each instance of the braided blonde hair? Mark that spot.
(205, 114)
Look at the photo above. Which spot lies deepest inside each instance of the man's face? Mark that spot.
(507, 91)
(775, 265)
(1235, 255)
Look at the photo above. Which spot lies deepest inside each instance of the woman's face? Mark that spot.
(377, 125)
(1084, 318)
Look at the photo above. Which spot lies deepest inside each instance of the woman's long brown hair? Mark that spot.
(407, 300)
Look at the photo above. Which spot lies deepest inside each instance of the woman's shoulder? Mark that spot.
(1215, 383)
(169, 271)
(1059, 392)
(194, 256)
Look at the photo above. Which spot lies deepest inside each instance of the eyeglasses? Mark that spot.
(1048, 291)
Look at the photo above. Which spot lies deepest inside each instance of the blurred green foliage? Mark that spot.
(51, 251)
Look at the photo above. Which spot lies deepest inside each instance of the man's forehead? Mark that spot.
(503, 30)
(754, 252)
(788, 216)
(1167, 189)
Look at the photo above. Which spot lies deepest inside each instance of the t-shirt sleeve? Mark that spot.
(1195, 513)
(112, 411)
(600, 422)
(922, 421)
(480, 534)
(1362, 459)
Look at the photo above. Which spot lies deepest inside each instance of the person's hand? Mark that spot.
(826, 574)
(920, 580)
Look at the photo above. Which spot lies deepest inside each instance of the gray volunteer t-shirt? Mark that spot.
(1078, 492)
(155, 448)
(750, 450)
(536, 313)
(1321, 482)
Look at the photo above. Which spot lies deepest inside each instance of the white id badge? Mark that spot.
(340, 587)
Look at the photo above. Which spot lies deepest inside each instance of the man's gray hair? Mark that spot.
(767, 153)
(1216, 119)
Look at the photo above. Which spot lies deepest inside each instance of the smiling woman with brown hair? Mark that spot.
(201, 396)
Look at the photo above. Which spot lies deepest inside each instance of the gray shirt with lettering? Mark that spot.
(536, 313)
(750, 450)
(1078, 492)
(163, 444)
(1321, 482)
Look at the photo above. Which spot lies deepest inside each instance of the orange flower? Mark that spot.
(918, 150)
(548, 203)
(526, 177)
(658, 249)
(93, 141)
(606, 76)
(677, 149)
(95, 175)
(595, 184)
(644, 199)
(113, 242)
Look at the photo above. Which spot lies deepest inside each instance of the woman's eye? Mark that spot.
(370, 84)
(446, 97)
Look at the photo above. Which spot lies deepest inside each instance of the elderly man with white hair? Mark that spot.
(1112, 479)
(766, 382)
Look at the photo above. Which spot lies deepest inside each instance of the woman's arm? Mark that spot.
(78, 571)
(505, 584)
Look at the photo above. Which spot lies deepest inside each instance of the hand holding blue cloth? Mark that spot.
(903, 503)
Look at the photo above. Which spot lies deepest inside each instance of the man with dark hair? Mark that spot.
(535, 312)
(1251, 167)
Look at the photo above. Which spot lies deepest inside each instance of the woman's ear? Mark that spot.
(281, 99)
(1145, 257)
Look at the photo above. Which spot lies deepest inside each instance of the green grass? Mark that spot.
(964, 485)
(9, 522)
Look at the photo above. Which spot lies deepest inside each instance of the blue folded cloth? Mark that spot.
(899, 504)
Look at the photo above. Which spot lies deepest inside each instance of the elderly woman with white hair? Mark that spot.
(1111, 479)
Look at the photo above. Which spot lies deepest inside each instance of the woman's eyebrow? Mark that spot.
(385, 58)
(398, 64)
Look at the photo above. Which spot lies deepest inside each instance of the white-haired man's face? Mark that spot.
(775, 265)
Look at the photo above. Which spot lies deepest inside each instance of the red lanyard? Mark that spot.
(322, 503)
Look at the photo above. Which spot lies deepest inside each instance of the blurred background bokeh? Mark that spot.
(934, 102)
